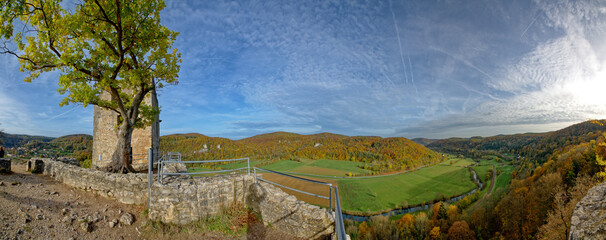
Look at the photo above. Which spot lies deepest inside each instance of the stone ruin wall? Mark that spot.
(182, 199)
(105, 136)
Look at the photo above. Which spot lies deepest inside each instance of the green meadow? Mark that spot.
(423, 185)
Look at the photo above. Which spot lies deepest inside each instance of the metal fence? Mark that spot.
(339, 225)
(175, 158)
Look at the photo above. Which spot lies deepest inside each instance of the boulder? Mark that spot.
(127, 219)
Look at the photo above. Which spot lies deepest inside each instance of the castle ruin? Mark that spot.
(105, 136)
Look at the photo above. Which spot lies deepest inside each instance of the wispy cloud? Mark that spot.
(406, 68)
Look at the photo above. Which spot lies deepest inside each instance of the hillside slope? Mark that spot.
(538, 146)
(380, 154)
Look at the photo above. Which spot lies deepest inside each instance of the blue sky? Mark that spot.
(432, 69)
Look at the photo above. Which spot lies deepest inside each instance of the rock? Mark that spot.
(67, 219)
(27, 218)
(127, 219)
(113, 223)
(174, 168)
(589, 215)
(85, 226)
(54, 193)
(16, 183)
(39, 217)
(64, 211)
(2, 184)
(92, 218)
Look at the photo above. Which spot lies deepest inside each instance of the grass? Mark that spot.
(345, 166)
(455, 161)
(375, 194)
(504, 178)
(284, 166)
(318, 167)
(481, 170)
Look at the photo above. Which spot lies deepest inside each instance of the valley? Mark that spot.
(530, 172)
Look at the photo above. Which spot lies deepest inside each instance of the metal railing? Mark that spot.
(339, 225)
(172, 158)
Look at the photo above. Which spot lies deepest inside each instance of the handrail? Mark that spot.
(339, 225)
(296, 190)
(175, 157)
(292, 176)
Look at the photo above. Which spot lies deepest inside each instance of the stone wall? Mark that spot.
(183, 199)
(125, 188)
(589, 217)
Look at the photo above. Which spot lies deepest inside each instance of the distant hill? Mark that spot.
(16, 140)
(534, 145)
(424, 141)
(379, 154)
(78, 146)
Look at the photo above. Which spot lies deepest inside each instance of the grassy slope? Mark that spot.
(375, 194)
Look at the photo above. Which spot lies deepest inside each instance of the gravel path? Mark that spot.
(38, 207)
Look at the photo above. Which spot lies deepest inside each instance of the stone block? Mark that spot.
(5, 165)
(35, 166)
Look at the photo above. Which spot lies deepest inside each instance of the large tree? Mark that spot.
(110, 47)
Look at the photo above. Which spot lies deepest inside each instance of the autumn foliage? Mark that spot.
(378, 154)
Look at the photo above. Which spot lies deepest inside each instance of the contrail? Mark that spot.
(61, 114)
(463, 61)
(412, 77)
(393, 15)
(529, 25)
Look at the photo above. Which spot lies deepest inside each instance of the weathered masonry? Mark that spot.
(183, 199)
(105, 135)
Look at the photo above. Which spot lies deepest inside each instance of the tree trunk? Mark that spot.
(122, 157)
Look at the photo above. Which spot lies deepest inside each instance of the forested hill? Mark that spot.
(533, 145)
(17, 140)
(385, 154)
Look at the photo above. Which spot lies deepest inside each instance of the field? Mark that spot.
(504, 177)
(319, 167)
(455, 161)
(375, 194)
(302, 185)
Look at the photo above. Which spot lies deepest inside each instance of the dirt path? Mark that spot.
(38, 207)
(34, 206)
(492, 183)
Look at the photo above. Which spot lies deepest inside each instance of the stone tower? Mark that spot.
(105, 136)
